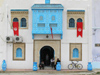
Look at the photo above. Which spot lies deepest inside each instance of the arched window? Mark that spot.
(53, 18)
(75, 53)
(79, 20)
(71, 22)
(23, 22)
(41, 18)
(18, 52)
(15, 20)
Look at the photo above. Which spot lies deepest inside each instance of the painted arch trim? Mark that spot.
(15, 47)
(72, 46)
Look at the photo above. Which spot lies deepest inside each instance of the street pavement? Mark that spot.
(34, 73)
(39, 72)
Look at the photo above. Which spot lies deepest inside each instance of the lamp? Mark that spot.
(47, 36)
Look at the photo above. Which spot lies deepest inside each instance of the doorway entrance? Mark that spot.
(46, 54)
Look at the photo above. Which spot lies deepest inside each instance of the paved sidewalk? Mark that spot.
(32, 73)
(47, 72)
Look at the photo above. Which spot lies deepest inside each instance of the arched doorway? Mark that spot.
(46, 53)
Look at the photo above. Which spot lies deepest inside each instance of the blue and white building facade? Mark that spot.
(36, 18)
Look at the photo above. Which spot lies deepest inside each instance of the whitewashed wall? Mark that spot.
(2, 32)
(96, 36)
(7, 49)
(69, 36)
(96, 20)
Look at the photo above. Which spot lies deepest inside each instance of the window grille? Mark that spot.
(41, 25)
(15, 20)
(71, 22)
(53, 25)
(23, 22)
(79, 20)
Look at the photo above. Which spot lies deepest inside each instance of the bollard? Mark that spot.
(58, 66)
(4, 65)
(89, 66)
(35, 66)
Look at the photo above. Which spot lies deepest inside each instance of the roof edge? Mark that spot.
(19, 9)
(75, 10)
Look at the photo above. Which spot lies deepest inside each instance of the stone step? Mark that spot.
(48, 68)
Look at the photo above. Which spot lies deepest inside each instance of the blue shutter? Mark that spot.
(75, 53)
(19, 52)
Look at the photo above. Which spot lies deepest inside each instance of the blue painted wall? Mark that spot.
(47, 19)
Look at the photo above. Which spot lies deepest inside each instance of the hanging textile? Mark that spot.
(15, 28)
(79, 29)
(51, 32)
